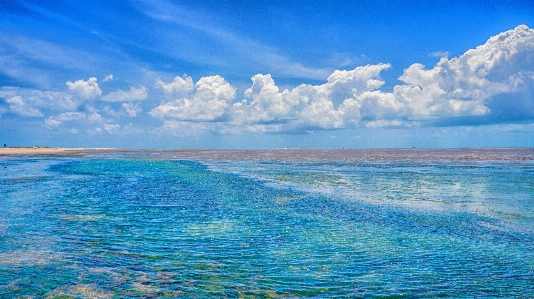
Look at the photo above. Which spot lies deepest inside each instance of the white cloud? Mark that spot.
(95, 117)
(18, 106)
(179, 87)
(306, 106)
(134, 94)
(109, 111)
(56, 120)
(385, 123)
(497, 74)
(87, 89)
(31, 102)
(180, 128)
(463, 85)
(263, 103)
(132, 109)
(112, 128)
(94, 131)
(126, 109)
(108, 78)
(467, 85)
(493, 82)
(91, 116)
(208, 102)
(343, 85)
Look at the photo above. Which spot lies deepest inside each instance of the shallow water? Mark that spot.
(123, 226)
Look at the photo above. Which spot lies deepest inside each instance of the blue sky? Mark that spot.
(243, 74)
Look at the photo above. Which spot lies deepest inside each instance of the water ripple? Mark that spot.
(138, 228)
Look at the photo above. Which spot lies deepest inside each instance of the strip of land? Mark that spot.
(410, 155)
(42, 151)
(30, 150)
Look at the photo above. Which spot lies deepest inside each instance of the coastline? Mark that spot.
(295, 154)
(24, 151)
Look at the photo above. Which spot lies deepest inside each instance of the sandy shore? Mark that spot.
(45, 151)
(296, 155)
(30, 151)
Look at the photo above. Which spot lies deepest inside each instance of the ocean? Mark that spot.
(267, 224)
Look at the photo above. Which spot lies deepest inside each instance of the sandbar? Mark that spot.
(10, 151)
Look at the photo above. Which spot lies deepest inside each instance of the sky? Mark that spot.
(267, 74)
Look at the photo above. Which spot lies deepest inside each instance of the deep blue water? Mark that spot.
(119, 227)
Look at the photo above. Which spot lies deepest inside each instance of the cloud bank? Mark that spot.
(490, 84)
(207, 101)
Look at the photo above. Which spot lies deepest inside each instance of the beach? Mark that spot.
(13, 151)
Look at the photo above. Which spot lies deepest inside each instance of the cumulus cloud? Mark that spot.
(179, 87)
(493, 82)
(469, 84)
(332, 105)
(88, 89)
(134, 94)
(208, 101)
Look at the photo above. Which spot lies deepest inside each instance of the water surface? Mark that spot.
(123, 225)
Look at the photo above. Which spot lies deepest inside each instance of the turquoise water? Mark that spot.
(130, 227)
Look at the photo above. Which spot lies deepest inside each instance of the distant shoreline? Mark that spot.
(294, 155)
(13, 151)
